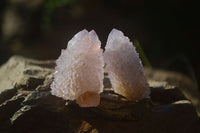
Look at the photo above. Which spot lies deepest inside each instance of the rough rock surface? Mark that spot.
(27, 106)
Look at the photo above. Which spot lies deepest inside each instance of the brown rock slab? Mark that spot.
(26, 105)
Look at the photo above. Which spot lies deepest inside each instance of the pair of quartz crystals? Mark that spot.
(79, 72)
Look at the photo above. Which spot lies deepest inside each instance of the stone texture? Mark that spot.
(25, 109)
(124, 67)
(79, 70)
(175, 79)
(7, 77)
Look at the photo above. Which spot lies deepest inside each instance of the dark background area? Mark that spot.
(168, 31)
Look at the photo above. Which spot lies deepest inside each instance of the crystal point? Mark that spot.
(79, 70)
(124, 67)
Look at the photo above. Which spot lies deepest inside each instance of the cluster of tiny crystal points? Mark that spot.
(124, 67)
(79, 70)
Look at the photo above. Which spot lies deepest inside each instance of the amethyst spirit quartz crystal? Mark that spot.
(124, 67)
(79, 72)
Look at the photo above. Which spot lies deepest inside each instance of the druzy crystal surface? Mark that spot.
(124, 67)
(79, 71)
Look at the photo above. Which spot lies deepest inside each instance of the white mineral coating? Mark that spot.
(79, 71)
(124, 67)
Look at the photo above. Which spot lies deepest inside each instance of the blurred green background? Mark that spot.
(168, 32)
